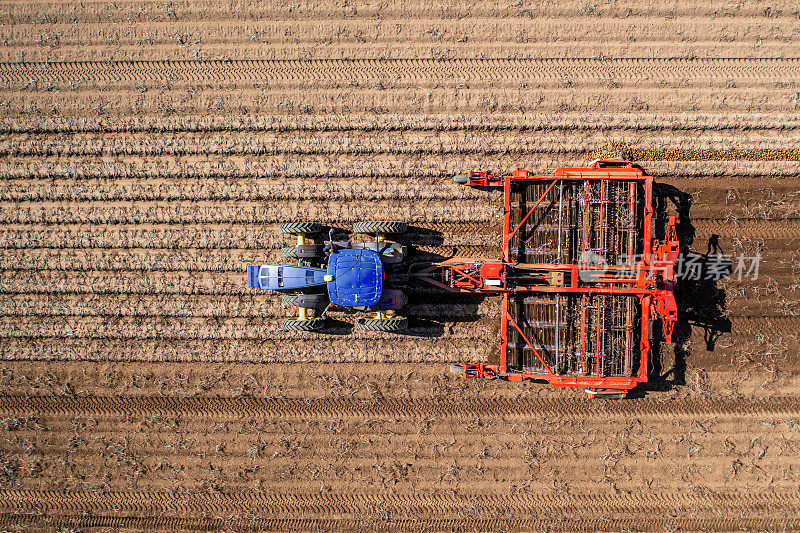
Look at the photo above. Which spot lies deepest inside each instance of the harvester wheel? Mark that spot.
(461, 178)
(312, 324)
(458, 370)
(310, 301)
(296, 228)
(381, 324)
(380, 226)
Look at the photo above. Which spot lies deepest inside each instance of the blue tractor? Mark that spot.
(338, 275)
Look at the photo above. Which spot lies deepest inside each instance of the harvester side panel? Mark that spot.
(575, 334)
(602, 217)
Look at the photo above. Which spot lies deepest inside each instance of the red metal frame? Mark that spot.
(649, 280)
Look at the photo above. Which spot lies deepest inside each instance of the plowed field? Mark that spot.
(149, 150)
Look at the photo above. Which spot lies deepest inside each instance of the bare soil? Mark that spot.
(148, 152)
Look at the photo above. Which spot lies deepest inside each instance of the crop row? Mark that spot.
(239, 190)
(246, 11)
(256, 236)
(483, 240)
(294, 348)
(363, 143)
(263, 305)
(433, 170)
(341, 214)
(563, 122)
(598, 95)
(445, 343)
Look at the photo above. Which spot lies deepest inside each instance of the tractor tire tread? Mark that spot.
(312, 324)
(380, 226)
(289, 251)
(378, 324)
(300, 227)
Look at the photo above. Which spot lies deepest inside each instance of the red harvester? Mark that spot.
(580, 277)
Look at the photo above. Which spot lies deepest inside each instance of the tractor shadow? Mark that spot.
(431, 311)
(701, 302)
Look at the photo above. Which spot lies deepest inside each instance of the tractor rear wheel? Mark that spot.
(289, 251)
(296, 228)
(304, 251)
(381, 324)
(309, 301)
(312, 324)
(380, 226)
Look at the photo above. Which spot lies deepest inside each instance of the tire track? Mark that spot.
(416, 504)
(399, 69)
(172, 523)
(193, 328)
(737, 228)
(222, 408)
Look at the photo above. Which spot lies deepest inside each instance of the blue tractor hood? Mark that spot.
(357, 277)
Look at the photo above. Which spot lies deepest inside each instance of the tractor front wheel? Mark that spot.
(381, 324)
(312, 324)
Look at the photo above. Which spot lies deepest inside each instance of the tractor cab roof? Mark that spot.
(284, 277)
(357, 277)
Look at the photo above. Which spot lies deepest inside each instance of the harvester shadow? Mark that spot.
(428, 318)
(700, 301)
